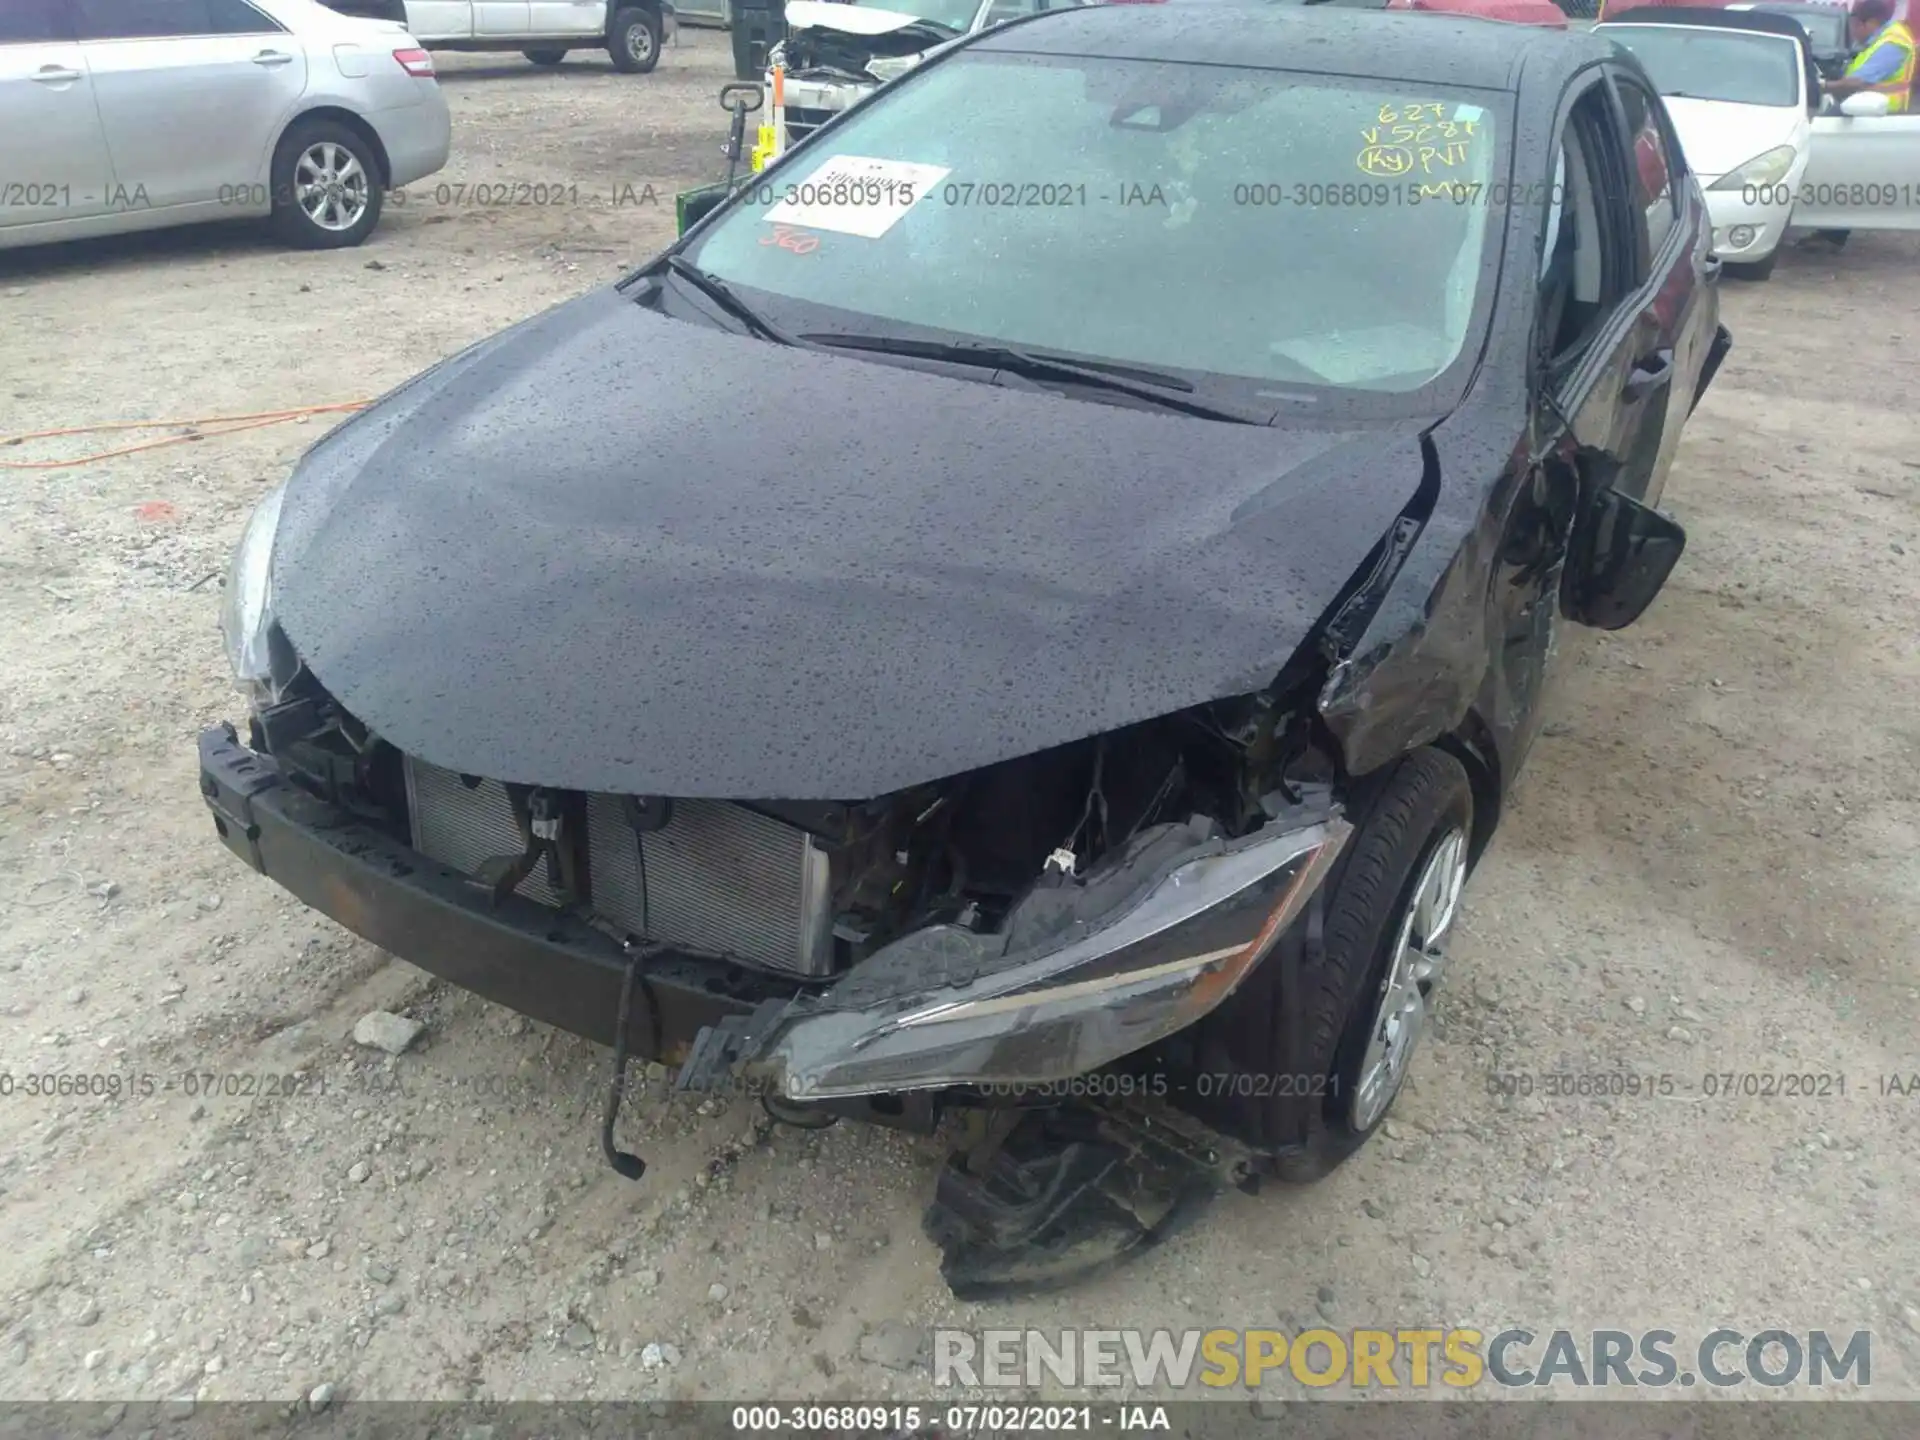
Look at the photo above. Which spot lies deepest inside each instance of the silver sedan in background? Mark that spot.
(123, 115)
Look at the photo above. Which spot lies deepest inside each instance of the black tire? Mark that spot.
(1756, 269)
(1400, 819)
(547, 56)
(291, 221)
(633, 40)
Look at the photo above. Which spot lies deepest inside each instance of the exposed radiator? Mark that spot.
(462, 827)
(718, 878)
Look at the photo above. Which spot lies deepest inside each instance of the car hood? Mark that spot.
(611, 551)
(1716, 136)
(852, 19)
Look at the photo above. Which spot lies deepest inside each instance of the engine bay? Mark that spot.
(962, 852)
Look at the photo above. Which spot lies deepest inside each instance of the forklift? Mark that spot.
(739, 99)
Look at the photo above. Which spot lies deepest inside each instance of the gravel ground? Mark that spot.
(1710, 867)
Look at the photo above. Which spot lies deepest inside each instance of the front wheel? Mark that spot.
(545, 56)
(1320, 1072)
(327, 190)
(633, 40)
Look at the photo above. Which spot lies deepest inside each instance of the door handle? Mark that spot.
(1649, 374)
(1712, 267)
(55, 75)
(273, 57)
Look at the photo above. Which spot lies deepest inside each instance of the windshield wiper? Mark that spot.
(1155, 386)
(722, 294)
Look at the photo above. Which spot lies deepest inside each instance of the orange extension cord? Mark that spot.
(230, 424)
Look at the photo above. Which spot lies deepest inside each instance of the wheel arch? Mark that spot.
(1471, 743)
(341, 116)
(617, 8)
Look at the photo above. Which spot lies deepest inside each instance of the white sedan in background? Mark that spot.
(1743, 96)
(1742, 103)
(124, 115)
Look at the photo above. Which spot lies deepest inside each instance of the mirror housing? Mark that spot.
(1620, 555)
(1865, 104)
(693, 206)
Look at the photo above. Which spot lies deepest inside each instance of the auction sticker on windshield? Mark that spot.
(853, 194)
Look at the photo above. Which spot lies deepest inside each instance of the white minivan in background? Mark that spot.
(124, 115)
(630, 31)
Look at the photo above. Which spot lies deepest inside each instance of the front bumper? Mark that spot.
(1762, 225)
(1082, 977)
(809, 104)
(831, 95)
(531, 959)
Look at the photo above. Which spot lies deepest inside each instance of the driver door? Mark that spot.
(1863, 173)
(53, 149)
(568, 17)
(431, 20)
(502, 19)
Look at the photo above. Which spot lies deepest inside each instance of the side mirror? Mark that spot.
(1865, 104)
(693, 206)
(1620, 556)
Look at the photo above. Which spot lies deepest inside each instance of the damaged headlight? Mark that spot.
(891, 67)
(246, 609)
(1147, 967)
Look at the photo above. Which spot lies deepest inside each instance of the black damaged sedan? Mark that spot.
(1026, 614)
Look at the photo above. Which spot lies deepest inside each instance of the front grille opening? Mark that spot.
(718, 879)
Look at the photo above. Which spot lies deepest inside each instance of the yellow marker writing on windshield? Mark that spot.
(1415, 136)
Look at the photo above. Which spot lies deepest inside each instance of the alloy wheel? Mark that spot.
(331, 185)
(1406, 993)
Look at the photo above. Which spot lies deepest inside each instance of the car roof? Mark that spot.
(1401, 46)
(1765, 20)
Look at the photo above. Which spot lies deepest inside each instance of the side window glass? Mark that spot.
(167, 19)
(236, 17)
(1569, 284)
(1581, 277)
(141, 19)
(1654, 167)
(28, 22)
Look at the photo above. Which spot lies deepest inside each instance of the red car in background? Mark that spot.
(1516, 12)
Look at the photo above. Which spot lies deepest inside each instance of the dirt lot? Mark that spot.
(1710, 868)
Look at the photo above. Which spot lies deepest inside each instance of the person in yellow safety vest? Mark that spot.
(1885, 62)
